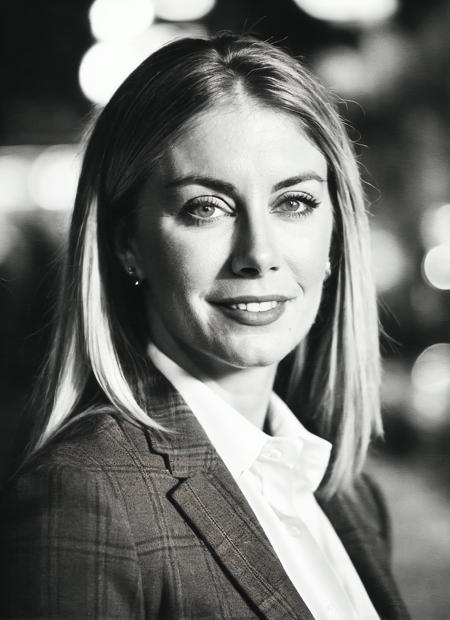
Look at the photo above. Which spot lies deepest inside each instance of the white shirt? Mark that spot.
(278, 476)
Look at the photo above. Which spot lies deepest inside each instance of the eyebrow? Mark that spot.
(228, 188)
(193, 179)
(309, 175)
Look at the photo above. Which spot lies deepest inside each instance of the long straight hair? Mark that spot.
(332, 380)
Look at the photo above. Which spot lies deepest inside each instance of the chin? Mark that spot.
(254, 355)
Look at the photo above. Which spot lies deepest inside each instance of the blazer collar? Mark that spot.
(183, 441)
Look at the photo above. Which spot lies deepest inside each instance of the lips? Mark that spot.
(253, 310)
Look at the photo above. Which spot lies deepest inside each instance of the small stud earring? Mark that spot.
(132, 273)
(327, 269)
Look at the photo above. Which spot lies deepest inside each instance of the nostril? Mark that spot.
(250, 271)
(253, 260)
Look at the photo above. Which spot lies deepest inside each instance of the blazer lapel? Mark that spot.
(217, 511)
(367, 552)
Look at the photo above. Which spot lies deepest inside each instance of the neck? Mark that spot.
(247, 390)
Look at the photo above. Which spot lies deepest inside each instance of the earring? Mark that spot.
(132, 273)
(327, 269)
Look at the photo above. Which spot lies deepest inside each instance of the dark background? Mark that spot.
(394, 80)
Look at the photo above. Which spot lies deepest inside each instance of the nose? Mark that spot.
(256, 248)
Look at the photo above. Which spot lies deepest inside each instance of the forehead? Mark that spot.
(241, 138)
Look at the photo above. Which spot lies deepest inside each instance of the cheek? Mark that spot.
(179, 266)
(307, 255)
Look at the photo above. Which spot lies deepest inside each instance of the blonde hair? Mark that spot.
(99, 346)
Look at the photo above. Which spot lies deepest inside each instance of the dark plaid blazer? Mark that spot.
(115, 521)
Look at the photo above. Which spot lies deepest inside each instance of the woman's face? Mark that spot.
(232, 238)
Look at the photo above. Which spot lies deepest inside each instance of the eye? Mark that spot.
(296, 204)
(205, 209)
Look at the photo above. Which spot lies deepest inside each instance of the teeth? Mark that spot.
(254, 306)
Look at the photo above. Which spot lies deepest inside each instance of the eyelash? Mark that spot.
(302, 197)
(201, 201)
(211, 201)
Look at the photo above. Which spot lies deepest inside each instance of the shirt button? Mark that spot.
(274, 454)
(295, 530)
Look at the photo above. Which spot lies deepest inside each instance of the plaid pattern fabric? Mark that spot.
(115, 521)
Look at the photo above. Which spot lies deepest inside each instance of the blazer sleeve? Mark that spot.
(66, 548)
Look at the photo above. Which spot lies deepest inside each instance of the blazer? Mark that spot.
(116, 521)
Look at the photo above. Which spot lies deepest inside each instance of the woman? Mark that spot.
(218, 248)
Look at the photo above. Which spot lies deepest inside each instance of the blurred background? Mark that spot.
(389, 61)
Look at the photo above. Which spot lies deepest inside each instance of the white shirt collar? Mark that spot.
(238, 442)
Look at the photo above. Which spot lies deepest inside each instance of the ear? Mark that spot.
(126, 249)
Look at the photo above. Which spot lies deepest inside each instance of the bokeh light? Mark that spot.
(120, 19)
(183, 10)
(344, 69)
(54, 177)
(430, 377)
(360, 11)
(106, 65)
(14, 170)
(11, 239)
(103, 68)
(368, 71)
(161, 34)
(436, 266)
(435, 226)
(389, 262)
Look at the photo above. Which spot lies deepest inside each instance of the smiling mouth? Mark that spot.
(255, 311)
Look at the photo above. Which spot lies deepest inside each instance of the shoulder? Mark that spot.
(368, 502)
(99, 442)
(86, 466)
(62, 517)
(72, 464)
